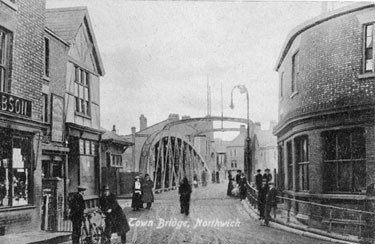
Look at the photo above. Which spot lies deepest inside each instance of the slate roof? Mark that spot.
(65, 23)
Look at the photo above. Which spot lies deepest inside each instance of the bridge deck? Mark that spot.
(209, 204)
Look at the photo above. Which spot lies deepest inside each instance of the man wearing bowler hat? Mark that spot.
(267, 175)
(77, 208)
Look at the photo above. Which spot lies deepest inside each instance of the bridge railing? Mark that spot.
(338, 222)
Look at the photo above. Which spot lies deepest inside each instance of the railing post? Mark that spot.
(360, 225)
(330, 220)
(289, 207)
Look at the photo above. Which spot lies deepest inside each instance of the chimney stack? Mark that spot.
(142, 122)
(114, 128)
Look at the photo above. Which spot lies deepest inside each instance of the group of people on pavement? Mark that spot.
(267, 194)
(115, 219)
(239, 185)
(142, 192)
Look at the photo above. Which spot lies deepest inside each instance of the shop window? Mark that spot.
(82, 91)
(344, 163)
(15, 170)
(5, 59)
(281, 165)
(302, 162)
(87, 147)
(290, 164)
(369, 48)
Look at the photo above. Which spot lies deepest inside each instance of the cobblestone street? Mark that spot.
(208, 204)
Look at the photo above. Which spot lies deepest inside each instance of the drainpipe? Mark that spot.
(133, 148)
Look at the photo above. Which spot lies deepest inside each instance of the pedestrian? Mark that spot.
(258, 179)
(185, 193)
(230, 184)
(115, 219)
(137, 194)
(238, 177)
(267, 175)
(271, 203)
(262, 197)
(147, 194)
(76, 215)
(243, 186)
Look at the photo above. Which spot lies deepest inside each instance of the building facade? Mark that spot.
(21, 126)
(77, 123)
(326, 124)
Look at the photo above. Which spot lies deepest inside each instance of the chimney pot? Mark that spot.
(114, 128)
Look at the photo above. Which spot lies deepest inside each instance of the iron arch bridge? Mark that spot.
(168, 156)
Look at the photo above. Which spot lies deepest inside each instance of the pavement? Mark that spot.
(214, 218)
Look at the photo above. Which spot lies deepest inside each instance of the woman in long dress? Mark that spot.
(137, 194)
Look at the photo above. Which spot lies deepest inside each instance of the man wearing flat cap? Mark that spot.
(77, 208)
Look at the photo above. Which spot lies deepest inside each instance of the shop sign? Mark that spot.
(15, 105)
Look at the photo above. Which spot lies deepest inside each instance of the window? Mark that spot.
(46, 57)
(302, 163)
(344, 163)
(116, 161)
(290, 164)
(369, 48)
(281, 166)
(15, 170)
(295, 72)
(5, 41)
(281, 84)
(87, 147)
(44, 108)
(234, 164)
(82, 91)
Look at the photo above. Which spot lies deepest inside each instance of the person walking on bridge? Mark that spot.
(185, 193)
(243, 187)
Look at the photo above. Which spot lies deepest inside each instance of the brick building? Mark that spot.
(21, 72)
(326, 129)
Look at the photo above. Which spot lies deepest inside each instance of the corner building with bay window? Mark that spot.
(326, 129)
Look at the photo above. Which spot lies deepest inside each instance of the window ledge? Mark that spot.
(293, 94)
(10, 4)
(82, 115)
(46, 78)
(366, 75)
(10, 209)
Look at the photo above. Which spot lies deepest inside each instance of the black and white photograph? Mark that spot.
(187, 121)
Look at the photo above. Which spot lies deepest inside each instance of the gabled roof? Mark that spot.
(65, 22)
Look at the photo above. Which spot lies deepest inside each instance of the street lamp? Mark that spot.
(247, 158)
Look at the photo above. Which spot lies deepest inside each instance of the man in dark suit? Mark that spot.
(258, 179)
(77, 208)
(238, 177)
(267, 175)
(271, 203)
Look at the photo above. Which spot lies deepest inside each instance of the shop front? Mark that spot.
(83, 162)
(20, 185)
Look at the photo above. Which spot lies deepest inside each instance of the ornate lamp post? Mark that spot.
(247, 156)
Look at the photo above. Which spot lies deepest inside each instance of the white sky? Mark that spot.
(158, 55)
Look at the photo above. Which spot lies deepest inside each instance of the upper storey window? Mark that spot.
(295, 72)
(5, 40)
(369, 50)
(82, 91)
